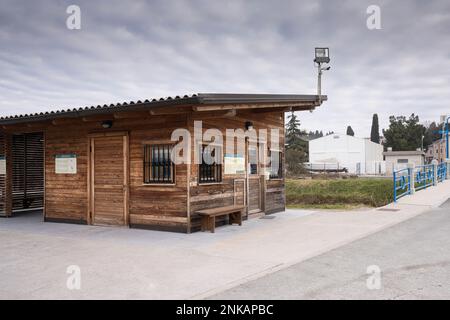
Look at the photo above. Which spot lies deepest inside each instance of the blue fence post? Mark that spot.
(411, 178)
(447, 162)
(435, 172)
(395, 186)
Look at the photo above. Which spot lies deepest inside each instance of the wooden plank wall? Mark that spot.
(222, 194)
(151, 206)
(27, 171)
(66, 195)
(163, 207)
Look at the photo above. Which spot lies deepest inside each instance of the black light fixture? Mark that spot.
(249, 125)
(107, 124)
(322, 55)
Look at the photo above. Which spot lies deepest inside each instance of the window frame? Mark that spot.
(256, 150)
(201, 181)
(280, 174)
(147, 165)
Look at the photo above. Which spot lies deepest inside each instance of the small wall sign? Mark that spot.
(66, 164)
(2, 165)
(234, 164)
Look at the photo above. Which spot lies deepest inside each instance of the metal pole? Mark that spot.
(395, 186)
(319, 83)
(446, 134)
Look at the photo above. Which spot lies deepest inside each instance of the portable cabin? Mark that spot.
(110, 165)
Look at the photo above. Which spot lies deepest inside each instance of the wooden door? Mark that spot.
(254, 185)
(109, 180)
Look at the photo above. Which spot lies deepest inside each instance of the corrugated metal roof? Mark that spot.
(186, 100)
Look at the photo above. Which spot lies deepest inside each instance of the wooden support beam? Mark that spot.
(268, 110)
(39, 125)
(26, 128)
(66, 121)
(99, 117)
(214, 114)
(169, 110)
(130, 115)
(251, 106)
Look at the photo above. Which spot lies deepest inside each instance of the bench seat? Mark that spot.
(209, 216)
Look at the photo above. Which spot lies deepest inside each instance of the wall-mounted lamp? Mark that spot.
(249, 125)
(107, 124)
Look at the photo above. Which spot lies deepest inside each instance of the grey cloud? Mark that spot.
(130, 50)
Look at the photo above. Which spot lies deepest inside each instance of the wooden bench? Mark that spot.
(209, 216)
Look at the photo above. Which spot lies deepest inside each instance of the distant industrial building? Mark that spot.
(357, 155)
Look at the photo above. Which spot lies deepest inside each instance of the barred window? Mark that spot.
(158, 167)
(276, 164)
(210, 171)
(253, 160)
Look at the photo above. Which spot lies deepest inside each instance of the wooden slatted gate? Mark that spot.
(27, 171)
(2, 176)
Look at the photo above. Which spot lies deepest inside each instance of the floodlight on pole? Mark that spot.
(322, 55)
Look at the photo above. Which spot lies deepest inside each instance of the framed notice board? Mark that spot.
(66, 164)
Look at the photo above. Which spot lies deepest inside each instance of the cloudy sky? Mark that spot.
(131, 50)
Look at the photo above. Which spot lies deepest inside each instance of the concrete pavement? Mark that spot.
(413, 258)
(119, 263)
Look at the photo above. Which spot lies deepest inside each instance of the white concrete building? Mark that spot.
(397, 160)
(357, 155)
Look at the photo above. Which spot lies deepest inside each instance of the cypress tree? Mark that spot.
(350, 131)
(375, 131)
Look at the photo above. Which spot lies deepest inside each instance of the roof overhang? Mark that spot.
(197, 102)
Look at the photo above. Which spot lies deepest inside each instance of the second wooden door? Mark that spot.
(109, 180)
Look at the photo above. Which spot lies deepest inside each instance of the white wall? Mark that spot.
(393, 165)
(374, 158)
(359, 156)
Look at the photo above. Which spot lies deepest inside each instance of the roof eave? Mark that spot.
(310, 101)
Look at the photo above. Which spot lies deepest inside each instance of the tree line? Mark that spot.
(403, 134)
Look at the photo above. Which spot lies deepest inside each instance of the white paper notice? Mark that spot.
(234, 164)
(66, 164)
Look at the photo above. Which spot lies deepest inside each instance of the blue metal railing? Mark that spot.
(442, 171)
(424, 177)
(402, 183)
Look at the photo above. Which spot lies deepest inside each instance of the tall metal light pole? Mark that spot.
(322, 55)
(445, 131)
(446, 134)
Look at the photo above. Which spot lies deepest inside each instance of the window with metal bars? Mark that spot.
(253, 160)
(158, 167)
(276, 164)
(210, 171)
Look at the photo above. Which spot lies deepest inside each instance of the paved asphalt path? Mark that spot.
(413, 257)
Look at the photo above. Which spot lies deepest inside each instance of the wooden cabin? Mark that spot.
(96, 165)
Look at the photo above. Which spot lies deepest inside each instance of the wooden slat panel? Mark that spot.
(108, 181)
(254, 200)
(27, 171)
